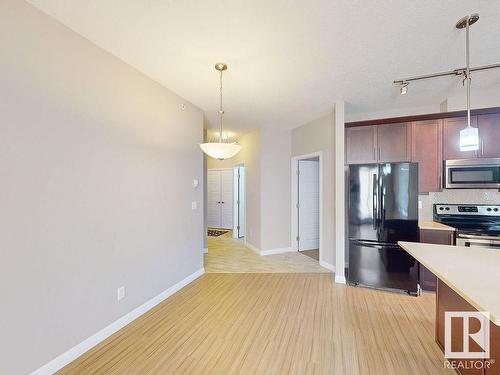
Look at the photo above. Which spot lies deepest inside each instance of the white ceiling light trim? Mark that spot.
(220, 150)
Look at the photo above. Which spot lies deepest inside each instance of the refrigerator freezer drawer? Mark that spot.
(382, 266)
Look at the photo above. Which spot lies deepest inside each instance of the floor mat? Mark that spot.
(216, 232)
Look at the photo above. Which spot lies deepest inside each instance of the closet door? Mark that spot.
(214, 198)
(308, 205)
(226, 193)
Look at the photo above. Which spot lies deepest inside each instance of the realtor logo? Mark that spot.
(481, 335)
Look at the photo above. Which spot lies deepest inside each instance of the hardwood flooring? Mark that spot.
(314, 254)
(289, 323)
(226, 254)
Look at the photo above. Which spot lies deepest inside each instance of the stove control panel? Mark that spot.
(467, 209)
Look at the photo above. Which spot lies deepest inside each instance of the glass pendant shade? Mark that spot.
(220, 150)
(469, 139)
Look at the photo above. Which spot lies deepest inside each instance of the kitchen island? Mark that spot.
(468, 280)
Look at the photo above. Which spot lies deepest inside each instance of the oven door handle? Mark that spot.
(479, 238)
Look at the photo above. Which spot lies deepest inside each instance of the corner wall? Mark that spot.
(319, 135)
(97, 165)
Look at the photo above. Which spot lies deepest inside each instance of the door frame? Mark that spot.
(295, 193)
(235, 200)
(222, 169)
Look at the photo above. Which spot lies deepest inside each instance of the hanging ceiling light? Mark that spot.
(221, 150)
(469, 137)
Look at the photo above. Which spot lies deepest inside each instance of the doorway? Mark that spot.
(239, 202)
(306, 204)
(220, 198)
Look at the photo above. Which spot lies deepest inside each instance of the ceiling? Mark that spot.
(290, 60)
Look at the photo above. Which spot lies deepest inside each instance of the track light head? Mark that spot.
(404, 88)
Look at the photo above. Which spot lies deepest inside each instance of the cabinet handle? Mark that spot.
(482, 147)
(374, 154)
(379, 153)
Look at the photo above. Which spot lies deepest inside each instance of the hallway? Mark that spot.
(227, 255)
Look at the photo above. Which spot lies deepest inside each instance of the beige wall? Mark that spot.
(276, 189)
(319, 135)
(97, 165)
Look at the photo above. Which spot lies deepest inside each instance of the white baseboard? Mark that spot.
(327, 265)
(340, 279)
(252, 247)
(276, 251)
(256, 250)
(69, 356)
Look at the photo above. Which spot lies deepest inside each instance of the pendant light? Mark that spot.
(220, 150)
(469, 137)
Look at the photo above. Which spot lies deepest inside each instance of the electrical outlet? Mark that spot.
(420, 205)
(120, 293)
(196, 183)
(194, 205)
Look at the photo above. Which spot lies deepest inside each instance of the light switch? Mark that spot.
(195, 183)
(194, 205)
(420, 205)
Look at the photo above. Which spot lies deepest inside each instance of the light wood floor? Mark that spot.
(314, 254)
(226, 254)
(294, 323)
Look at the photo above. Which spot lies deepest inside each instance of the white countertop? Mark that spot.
(472, 272)
(432, 225)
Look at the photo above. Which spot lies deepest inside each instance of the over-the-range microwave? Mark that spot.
(472, 173)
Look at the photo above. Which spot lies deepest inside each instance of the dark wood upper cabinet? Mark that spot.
(393, 141)
(451, 138)
(361, 145)
(489, 136)
(426, 150)
(381, 143)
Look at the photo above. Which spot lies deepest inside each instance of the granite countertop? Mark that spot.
(432, 225)
(472, 272)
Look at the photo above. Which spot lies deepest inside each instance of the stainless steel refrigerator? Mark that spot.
(383, 209)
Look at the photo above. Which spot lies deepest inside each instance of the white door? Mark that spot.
(220, 198)
(227, 182)
(308, 204)
(213, 199)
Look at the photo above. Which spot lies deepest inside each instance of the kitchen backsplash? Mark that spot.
(478, 196)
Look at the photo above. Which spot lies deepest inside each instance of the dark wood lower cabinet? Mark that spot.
(448, 300)
(426, 278)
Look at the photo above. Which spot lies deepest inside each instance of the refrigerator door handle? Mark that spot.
(382, 199)
(374, 202)
(374, 244)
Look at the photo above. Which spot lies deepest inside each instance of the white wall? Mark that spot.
(97, 164)
(319, 135)
(456, 101)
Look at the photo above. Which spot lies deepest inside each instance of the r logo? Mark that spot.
(480, 337)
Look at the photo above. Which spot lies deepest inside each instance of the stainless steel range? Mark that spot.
(477, 225)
